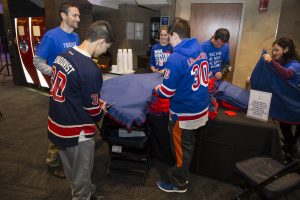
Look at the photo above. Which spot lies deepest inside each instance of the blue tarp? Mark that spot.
(285, 103)
(130, 95)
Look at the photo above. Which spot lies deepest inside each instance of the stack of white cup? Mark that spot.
(124, 62)
(129, 61)
(120, 65)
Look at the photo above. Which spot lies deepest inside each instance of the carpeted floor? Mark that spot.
(23, 149)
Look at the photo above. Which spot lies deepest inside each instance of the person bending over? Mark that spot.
(218, 53)
(75, 107)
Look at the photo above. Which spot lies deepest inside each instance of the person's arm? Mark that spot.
(42, 55)
(284, 72)
(152, 61)
(41, 65)
(225, 63)
(91, 87)
(162, 71)
(153, 69)
(171, 79)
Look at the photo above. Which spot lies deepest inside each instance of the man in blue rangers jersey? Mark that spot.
(75, 106)
(217, 52)
(186, 84)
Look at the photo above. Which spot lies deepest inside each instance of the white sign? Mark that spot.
(36, 31)
(116, 149)
(125, 133)
(259, 105)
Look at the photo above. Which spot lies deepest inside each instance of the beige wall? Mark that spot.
(169, 10)
(257, 31)
(289, 23)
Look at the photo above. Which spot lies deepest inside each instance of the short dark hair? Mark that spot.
(100, 30)
(181, 27)
(291, 54)
(64, 7)
(222, 34)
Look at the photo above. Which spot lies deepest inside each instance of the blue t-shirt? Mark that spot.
(215, 56)
(159, 55)
(54, 42)
(294, 65)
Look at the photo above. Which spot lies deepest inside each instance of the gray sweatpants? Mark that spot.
(78, 163)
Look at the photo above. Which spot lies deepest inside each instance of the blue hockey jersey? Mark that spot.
(75, 103)
(186, 81)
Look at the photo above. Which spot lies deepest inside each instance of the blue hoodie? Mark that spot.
(186, 81)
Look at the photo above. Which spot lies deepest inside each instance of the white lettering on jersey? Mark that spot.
(64, 64)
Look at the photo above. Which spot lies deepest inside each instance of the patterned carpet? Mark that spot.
(23, 172)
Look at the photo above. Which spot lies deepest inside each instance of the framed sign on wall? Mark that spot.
(164, 20)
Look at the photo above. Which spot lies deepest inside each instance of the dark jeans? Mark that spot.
(160, 146)
(183, 142)
(289, 137)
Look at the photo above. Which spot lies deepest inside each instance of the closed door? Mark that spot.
(206, 18)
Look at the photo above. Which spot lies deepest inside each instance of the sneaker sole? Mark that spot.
(177, 191)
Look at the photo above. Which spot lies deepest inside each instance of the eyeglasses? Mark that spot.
(274, 49)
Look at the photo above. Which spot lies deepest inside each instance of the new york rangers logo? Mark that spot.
(167, 74)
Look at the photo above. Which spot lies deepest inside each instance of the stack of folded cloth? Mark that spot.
(232, 96)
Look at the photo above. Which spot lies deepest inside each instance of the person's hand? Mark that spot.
(210, 74)
(161, 71)
(154, 69)
(156, 88)
(104, 108)
(267, 57)
(218, 75)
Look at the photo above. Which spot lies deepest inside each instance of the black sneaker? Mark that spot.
(57, 172)
(97, 197)
(169, 187)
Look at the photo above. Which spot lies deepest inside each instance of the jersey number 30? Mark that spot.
(58, 82)
(201, 75)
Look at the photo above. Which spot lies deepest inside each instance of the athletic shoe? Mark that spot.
(95, 197)
(57, 172)
(169, 187)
